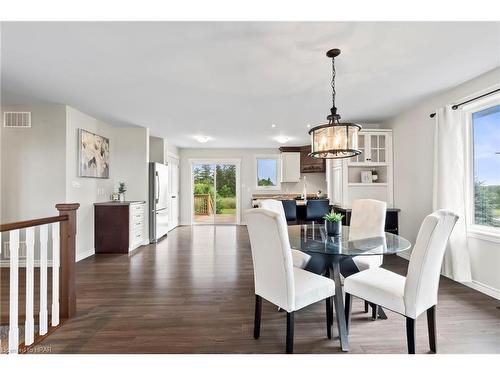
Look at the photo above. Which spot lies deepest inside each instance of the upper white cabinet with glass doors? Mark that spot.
(375, 146)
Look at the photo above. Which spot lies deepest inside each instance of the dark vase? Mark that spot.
(334, 228)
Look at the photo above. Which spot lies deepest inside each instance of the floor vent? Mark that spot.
(17, 119)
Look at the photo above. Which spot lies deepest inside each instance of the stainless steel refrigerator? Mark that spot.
(158, 201)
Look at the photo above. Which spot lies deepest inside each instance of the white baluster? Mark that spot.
(13, 301)
(29, 324)
(55, 274)
(43, 280)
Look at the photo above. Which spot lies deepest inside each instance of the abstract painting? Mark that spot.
(93, 155)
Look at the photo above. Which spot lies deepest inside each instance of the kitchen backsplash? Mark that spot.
(314, 182)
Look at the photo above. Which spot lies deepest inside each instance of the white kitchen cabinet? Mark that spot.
(290, 166)
(137, 217)
(375, 146)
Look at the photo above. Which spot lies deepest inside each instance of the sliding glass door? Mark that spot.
(225, 194)
(215, 198)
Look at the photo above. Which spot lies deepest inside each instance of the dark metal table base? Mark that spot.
(338, 301)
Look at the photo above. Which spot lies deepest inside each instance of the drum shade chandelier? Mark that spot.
(335, 140)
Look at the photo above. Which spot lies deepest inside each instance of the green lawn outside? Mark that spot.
(228, 205)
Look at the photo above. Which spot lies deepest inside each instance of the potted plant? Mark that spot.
(121, 191)
(333, 222)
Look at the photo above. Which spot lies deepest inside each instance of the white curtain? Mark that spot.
(449, 188)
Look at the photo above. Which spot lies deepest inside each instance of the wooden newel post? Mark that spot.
(67, 284)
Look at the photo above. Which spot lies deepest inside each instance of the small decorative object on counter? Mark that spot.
(115, 196)
(318, 194)
(121, 191)
(333, 223)
(366, 177)
(304, 190)
(374, 175)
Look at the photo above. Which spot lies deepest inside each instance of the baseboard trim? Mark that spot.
(476, 285)
(405, 255)
(82, 255)
(483, 288)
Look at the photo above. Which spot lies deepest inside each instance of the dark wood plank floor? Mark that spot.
(193, 293)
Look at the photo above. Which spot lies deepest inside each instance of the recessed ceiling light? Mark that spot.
(282, 139)
(202, 138)
(273, 125)
(308, 125)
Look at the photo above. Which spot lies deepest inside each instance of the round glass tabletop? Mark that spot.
(312, 238)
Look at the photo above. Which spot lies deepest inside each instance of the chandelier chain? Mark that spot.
(333, 81)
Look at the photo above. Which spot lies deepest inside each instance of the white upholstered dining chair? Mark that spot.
(276, 279)
(300, 259)
(417, 292)
(367, 220)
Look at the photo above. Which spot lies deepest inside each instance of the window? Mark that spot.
(484, 165)
(268, 172)
(486, 154)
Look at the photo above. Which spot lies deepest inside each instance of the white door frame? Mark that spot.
(237, 163)
(171, 155)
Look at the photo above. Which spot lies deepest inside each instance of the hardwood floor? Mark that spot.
(193, 293)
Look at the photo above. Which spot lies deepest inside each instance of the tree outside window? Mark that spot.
(486, 154)
(267, 172)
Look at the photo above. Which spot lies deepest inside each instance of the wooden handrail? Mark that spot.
(32, 223)
(63, 271)
(67, 286)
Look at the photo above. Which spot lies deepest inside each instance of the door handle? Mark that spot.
(157, 198)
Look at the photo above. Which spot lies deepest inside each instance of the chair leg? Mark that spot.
(258, 314)
(329, 317)
(289, 333)
(366, 306)
(410, 335)
(348, 304)
(431, 326)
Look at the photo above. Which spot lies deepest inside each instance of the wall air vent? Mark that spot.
(17, 119)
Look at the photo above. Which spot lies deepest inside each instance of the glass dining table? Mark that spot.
(314, 240)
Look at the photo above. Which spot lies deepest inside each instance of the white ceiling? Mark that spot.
(231, 81)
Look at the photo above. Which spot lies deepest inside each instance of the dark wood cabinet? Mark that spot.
(308, 164)
(119, 227)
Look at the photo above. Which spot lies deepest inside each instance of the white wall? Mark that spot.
(315, 181)
(84, 190)
(413, 136)
(171, 149)
(33, 163)
(129, 155)
(130, 164)
(131, 161)
(40, 166)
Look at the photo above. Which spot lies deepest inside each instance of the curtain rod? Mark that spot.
(455, 106)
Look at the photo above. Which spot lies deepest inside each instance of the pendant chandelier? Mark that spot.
(335, 140)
